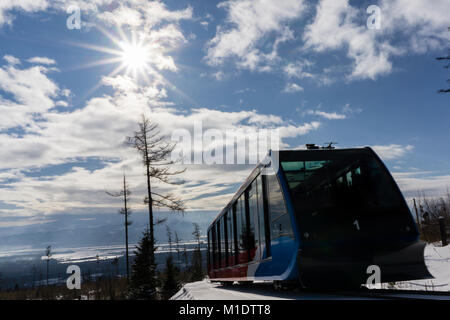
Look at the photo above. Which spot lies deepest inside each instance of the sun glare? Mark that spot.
(134, 57)
(132, 54)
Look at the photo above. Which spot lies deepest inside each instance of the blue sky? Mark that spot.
(312, 69)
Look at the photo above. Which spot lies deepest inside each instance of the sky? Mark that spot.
(75, 77)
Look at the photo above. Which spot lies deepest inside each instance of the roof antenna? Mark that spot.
(312, 146)
(329, 145)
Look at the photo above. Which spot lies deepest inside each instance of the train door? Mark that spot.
(263, 218)
(253, 223)
(259, 224)
(241, 231)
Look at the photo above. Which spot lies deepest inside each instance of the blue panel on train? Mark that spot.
(284, 250)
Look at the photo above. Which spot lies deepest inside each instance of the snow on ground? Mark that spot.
(437, 259)
(88, 253)
(205, 290)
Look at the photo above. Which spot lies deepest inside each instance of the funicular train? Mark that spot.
(319, 221)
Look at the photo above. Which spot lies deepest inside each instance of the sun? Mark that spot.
(133, 54)
(135, 57)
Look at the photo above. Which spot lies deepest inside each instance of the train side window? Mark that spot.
(281, 227)
(253, 239)
(230, 235)
(340, 182)
(209, 249)
(214, 246)
(224, 240)
(235, 234)
(241, 229)
(349, 179)
(281, 222)
(219, 245)
(238, 230)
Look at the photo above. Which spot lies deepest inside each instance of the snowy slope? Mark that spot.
(437, 260)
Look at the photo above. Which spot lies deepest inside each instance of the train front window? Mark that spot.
(345, 197)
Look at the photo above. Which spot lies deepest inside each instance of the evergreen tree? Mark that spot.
(171, 283)
(143, 278)
(197, 269)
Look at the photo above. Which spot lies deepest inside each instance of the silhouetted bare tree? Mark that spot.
(197, 233)
(48, 254)
(155, 152)
(125, 211)
(169, 238)
(446, 67)
(177, 242)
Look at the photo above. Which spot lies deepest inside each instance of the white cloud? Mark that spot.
(392, 151)
(248, 22)
(297, 69)
(42, 60)
(61, 104)
(122, 15)
(8, 6)
(348, 110)
(292, 88)
(219, 75)
(414, 184)
(326, 115)
(11, 60)
(339, 26)
(424, 23)
(148, 14)
(32, 92)
(264, 119)
(295, 131)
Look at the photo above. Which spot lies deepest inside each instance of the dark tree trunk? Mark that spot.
(150, 202)
(126, 227)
